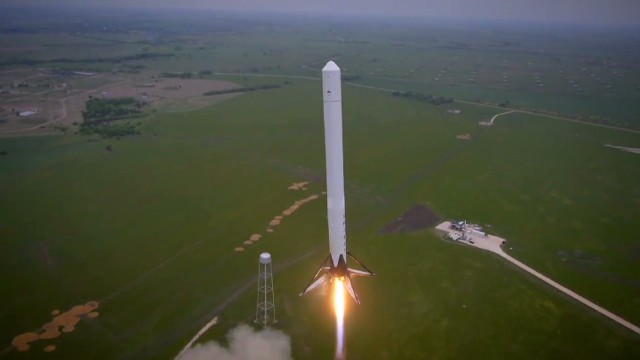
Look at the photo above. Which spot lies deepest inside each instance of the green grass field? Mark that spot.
(149, 228)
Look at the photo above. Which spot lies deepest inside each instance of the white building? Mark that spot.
(27, 113)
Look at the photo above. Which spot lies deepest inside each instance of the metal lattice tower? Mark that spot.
(265, 305)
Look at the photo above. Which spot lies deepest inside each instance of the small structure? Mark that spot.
(265, 304)
(27, 113)
(477, 232)
(454, 111)
(459, 225)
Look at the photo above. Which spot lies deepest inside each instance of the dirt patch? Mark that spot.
(293, 208)
(277, 220)
(255, 237)
(299, 186)
(21, 342)
(66, 320)
(93, 314)
(419, 217)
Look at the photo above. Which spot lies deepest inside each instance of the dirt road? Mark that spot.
(63, 105)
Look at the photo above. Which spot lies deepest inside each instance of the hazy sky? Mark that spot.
(586, 11)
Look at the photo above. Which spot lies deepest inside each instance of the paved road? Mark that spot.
(495, 116)
(493, 244)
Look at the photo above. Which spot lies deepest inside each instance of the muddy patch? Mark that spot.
(299, 186)
(419, 217)
(277, 220)
(65, 322)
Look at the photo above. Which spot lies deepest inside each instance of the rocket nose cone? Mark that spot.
(331, 66)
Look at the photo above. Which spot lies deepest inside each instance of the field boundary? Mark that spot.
(456, 100)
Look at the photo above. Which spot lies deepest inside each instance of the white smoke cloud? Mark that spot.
(244, 344)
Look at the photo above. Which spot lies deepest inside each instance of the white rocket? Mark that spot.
(335, 265)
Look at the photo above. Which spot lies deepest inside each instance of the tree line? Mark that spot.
(435, 100)
(100, 115)
(242, 89)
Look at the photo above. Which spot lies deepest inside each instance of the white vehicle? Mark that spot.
(335, 265)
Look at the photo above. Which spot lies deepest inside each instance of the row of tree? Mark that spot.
(106, 110)
(186, 74)
(242, 89)
(64, 60)
(435, 100)
(111, 130)
(101, 115)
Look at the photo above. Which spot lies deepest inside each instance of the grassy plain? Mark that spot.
(149, 228)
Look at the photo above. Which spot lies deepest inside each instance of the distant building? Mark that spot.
(27, 113)
(459, 225)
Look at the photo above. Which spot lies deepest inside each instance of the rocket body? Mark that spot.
(332, 99)
(335, 265)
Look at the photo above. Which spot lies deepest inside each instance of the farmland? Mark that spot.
(146, 225)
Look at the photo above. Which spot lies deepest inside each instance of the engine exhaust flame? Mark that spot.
(339, 307)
